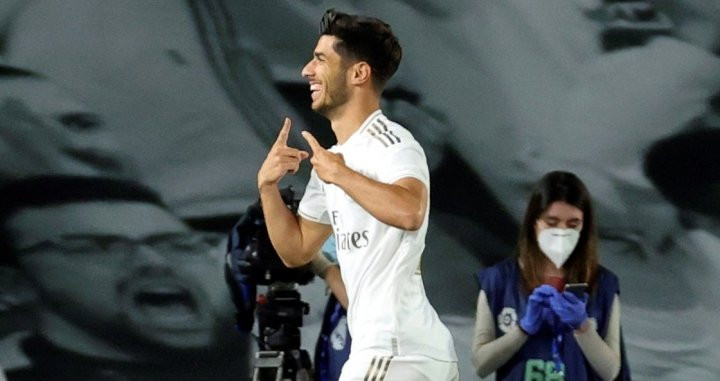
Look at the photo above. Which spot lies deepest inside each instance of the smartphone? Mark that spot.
(576, 288)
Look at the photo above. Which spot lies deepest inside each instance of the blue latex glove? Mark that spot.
(538, 309)
(549, 316)
(570, 309)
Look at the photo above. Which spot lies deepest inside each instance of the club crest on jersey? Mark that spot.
(507, 319)
(338, 337)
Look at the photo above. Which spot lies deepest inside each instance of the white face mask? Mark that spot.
(558, 244)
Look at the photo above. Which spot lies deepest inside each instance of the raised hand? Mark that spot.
(281, 159)
(570, 309)
(328, 166)
(538, 309)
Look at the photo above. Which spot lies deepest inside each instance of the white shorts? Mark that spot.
(398, 368)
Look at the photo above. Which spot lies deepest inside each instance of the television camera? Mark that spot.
(251, 260)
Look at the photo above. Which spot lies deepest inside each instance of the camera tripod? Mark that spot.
(275, 366)
(279, 318)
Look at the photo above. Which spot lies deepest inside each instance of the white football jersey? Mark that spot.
(388, 312)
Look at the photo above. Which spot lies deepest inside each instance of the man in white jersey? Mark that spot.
(371, 190)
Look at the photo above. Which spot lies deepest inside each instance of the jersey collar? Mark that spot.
(368, 121)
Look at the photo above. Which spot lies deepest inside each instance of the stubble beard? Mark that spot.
(335, 99)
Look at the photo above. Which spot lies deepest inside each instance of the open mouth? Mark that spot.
(314, 89)
(165, 304)
(165, 300)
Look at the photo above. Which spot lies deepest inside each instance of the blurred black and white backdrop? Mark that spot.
(186, 96)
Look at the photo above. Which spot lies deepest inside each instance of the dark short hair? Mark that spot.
(366, 39)
(582, 264)
(51, 190)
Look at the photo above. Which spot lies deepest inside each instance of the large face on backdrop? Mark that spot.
(140, 277)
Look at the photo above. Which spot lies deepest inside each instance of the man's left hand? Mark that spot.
(329, 166)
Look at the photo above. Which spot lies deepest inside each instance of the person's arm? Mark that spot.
(489, 352)
(330, 272)
(603, 355)
(334, 281)
(401, 204)
(295, 239)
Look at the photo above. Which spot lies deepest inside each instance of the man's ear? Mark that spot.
(360, 73)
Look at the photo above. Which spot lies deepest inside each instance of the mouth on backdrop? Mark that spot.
(166, 304)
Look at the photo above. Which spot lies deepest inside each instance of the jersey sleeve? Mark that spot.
(312, 205)
(404, 161)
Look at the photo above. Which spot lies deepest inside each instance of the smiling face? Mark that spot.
(327, 74)
(127, 272)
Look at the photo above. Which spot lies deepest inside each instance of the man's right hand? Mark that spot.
(280, 160)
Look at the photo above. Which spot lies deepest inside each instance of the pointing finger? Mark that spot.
(314, 145)
(291, 152)
(284, 132)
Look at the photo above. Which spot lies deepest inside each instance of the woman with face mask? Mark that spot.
(529, 326)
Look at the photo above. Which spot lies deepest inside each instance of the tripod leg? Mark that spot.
(268, 366)
(298, 362)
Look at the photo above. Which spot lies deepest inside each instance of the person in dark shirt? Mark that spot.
(527, 325)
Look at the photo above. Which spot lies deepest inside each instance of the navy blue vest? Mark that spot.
(333, 347)
(502, 284)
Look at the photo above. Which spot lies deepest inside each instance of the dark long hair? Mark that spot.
(582, 264)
